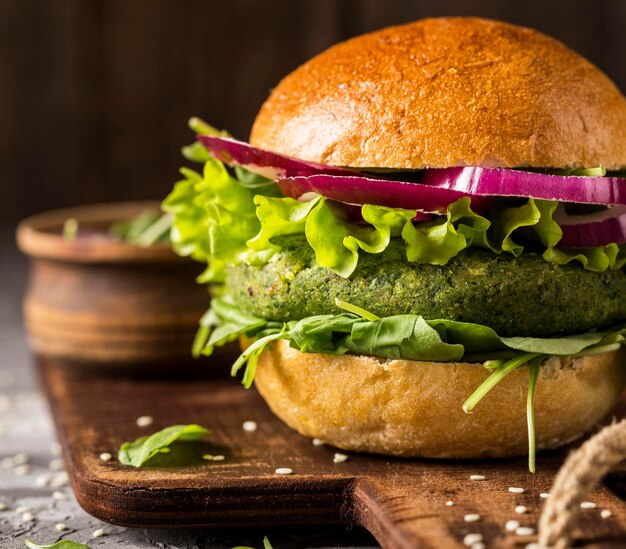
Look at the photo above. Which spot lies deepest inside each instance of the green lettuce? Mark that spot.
(136, 453)
(221, 217)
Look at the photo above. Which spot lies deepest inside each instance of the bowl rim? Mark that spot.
(35, 238)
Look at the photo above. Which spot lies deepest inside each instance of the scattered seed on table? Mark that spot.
(318, 442)
(511, 525)
(43, 480)
(56, 464)
(521, 509)
(98, 533)
(59, 496)
(144, 421)
(20, 459)
(283, 471)
(471, 517)
(514, 490)
(470, 539)
(27, 517)
(60, 527)
(525, 531)
(22, 470)
(105, 456)
(249, 426)
(22, 509)
(340, 458)
(4, 506)
(588, 505)
(605, 513)
(477, 477)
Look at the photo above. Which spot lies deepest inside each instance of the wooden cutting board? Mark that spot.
(401, 502)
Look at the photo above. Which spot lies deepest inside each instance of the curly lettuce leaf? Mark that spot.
(221, 218)
(214, 216)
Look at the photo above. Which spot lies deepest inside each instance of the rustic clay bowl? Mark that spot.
(95, 300)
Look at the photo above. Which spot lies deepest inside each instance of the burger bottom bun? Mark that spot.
(413, 408)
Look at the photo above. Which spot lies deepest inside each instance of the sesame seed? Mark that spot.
(55, 465)
(219, 458)
(318, 442)
(105, 456)
(249, 426)
(605, 513)
(340, 458)
(208, 457)
(470, 539)
(22, 509)
(514, 490)
(449, 503)
(477, 545)
(27, 517)
(20, 459)
(588, 505)
(98, 533)
(60, 527)
(22, 470)
(42, 480)
(532, 546)
(544, 495)
(520, 509)
(471, 517)
(59, 496)
(4, 506)
(283, 471)
(144, 421)
(477, 477)
(525, 531)
(60, 479)
(511, 525)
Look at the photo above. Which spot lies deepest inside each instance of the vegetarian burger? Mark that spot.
(422, 247)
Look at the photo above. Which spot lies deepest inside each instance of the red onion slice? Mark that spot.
(268, 164)
(501, 182)
(353, 189)
(591, 230)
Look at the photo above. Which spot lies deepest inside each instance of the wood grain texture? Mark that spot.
(401, 502)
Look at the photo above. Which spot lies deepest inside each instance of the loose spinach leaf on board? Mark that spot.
(136, 453)
(63, 544)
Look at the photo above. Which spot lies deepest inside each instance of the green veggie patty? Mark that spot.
(523, 296)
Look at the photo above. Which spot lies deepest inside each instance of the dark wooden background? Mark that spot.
(95, 94)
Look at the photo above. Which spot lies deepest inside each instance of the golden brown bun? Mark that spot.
(409, 408)
(447, 92)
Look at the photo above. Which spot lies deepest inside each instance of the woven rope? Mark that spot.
(582, 470)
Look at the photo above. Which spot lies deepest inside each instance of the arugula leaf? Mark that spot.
(136, 453)
(63, 544)
(144, 230)
(533, 372)
(408, 337)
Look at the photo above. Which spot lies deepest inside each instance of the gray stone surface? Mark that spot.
(30, 471)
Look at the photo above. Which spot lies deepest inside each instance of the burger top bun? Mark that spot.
(447, 92)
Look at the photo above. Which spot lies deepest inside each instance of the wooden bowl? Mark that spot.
(97, 300)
